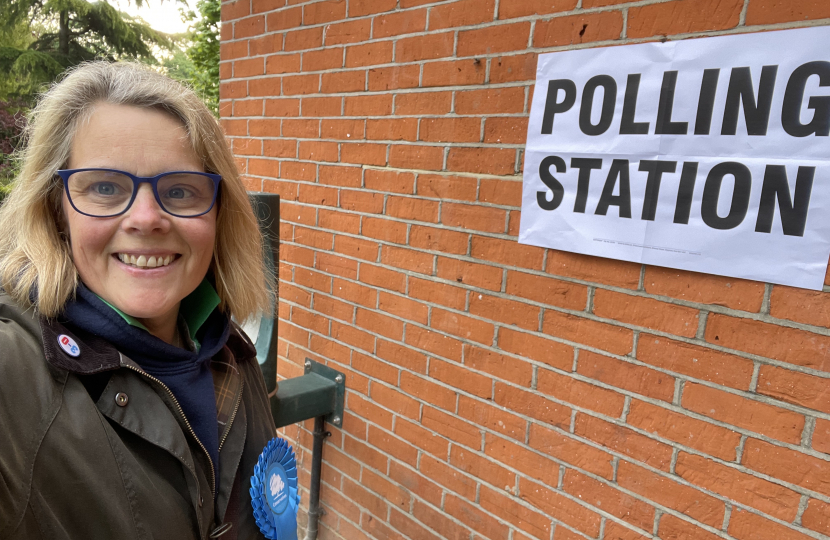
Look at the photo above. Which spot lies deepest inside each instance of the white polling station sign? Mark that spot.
(707, 154)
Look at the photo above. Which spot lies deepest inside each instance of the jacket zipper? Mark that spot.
(181, 412)
(233, 414)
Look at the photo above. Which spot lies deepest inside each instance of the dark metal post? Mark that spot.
(314, 510)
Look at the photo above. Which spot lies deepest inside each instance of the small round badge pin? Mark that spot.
(68, 345)
(274, 494)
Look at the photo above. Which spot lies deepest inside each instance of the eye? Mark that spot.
(178, 192)
(104, 188)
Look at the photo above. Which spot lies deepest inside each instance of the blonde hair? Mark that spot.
(35, 255)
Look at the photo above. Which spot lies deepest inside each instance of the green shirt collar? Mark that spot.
(195, 308)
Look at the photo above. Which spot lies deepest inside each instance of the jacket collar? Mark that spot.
(96, 355)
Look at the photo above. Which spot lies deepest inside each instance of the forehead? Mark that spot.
(136, 139)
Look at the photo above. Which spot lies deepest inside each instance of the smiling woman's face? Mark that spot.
(144, 142)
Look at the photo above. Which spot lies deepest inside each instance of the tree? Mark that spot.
(198, 66)
(41, 38)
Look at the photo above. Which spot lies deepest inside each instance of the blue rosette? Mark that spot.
(274, 493)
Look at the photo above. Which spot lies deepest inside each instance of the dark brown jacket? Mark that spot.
(78, 463)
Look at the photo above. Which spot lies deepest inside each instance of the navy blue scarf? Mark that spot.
(187, 374)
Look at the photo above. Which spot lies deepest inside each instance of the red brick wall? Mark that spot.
(497, 390)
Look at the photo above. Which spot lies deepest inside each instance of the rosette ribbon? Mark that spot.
(274, 494)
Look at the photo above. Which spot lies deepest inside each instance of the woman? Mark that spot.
(130, 405)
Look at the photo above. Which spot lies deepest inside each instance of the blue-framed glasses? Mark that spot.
(110, 192)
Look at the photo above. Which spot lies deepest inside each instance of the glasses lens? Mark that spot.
(186, 194)
(100, 193)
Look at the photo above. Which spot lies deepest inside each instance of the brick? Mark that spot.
(318, 151)
(647, 312)
(450, 130)
(378, 370)
(428, 47)
(421, 103)
(363, 154)
(580, 393)
(624, 441)
(454, 73)
(343, 81)
(461, 13)
(439, 344)
(506, 130)
(399, 23)
(770, 498)
(682, 17)
(454, 429)
(780, 11)
(560, 507)
(379, 323)
(334, 308)
(516, 68)
(280, 20)
(507, 252)
(704, 288)
(475, 518)
(342, 129)
(533, 405)
(356, 247)
(479, 218)
(744, 525)
(817, 516)
(519, 457)
(268, 44)
(684, 499)
(745, 413)
(328, 58)
(821, 436)
(248, 68)
(369, 411)
(360, 201)
(509, 9)
(594, 269)
(695, 361)
(394, 77)
(703, 436)
(358, 8)
(615, 531)
(364, 498)
(508, 509)
(436, 239)
(494, 39)
(348, 32)
(428, 391)
(462, 326)
(794, 387)
(437, 521)
(312, 279)
(404, 523)
(789, 345)
(576, 29)
(608, 498)
(447, 187)
(494, 418)
(412, 209)
(552, 292)
(437, 293)
(304, 129)
(416, 157)
(352, 336)
(546, 351)
(490, 101)
(787, 465)
(235, 10)
(494, 161)
(407, 259)
(603, 336)
(414, 482)
(481, 468)
(392, 493)
(674, 528)
(400, 355)
(505, 311)
(307, 38)
(369, 54)
(326, 106)
(323, 12)
(800, 305)
(339, 221)
(415, 434)
(397, 129)
(249, 26)
(473, 274)
(403, 307)
(625, 375)
(373, 105)
(384, 229)
(394, 447)
(568, 449)
(282, 107)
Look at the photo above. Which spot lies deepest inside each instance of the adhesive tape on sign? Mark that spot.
(68, 345)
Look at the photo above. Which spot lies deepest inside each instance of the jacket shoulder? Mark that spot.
(30, 395)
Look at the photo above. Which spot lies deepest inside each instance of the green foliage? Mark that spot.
(12, 122)
(198, 65)
(39, 39)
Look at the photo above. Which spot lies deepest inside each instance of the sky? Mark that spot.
(163, 16)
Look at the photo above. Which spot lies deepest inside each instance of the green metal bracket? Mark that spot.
(320, 392)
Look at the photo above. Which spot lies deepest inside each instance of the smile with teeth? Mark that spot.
(145, 262)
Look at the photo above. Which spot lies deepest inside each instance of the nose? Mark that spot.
(145, 215)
